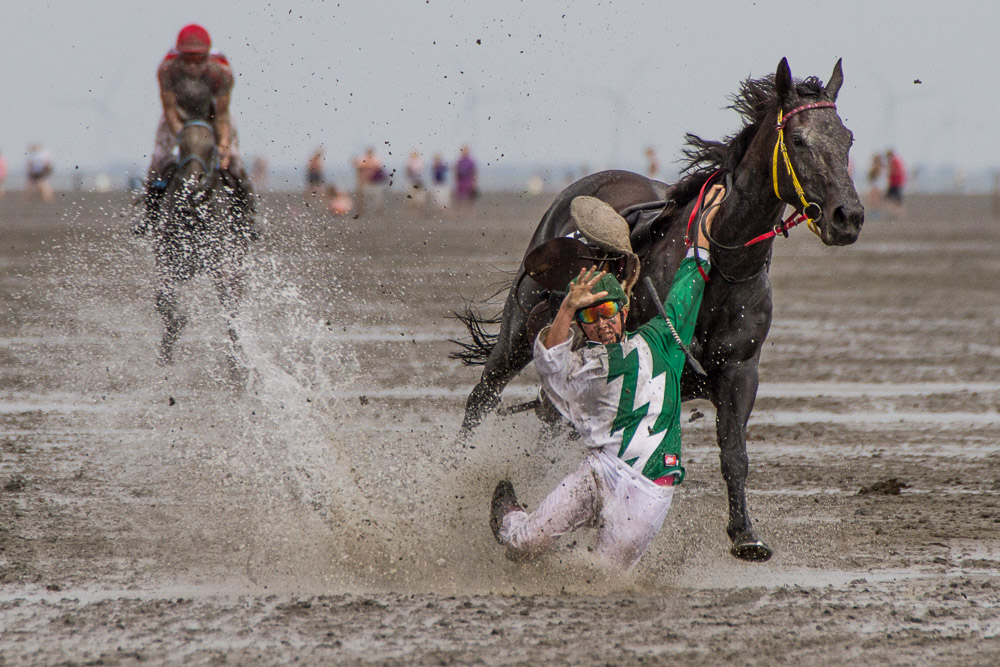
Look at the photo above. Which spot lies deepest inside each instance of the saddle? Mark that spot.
(642, 222)
(615, 241)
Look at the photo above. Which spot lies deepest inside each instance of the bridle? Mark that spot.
(208, 168)
(811, 211)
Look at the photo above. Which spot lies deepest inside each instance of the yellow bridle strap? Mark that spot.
(780, 146)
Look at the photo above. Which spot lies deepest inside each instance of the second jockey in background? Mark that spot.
(195, 84)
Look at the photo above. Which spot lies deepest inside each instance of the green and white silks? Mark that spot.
(625, 398)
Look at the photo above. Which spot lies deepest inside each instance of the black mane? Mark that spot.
(755, 103)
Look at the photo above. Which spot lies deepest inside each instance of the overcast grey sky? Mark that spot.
(578, 82)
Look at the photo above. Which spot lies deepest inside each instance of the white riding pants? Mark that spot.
(626, 508)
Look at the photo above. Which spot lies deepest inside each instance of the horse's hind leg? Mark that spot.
(173, 321)
(485, 396)
(511, 353)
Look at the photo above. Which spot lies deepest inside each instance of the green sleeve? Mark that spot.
(684, 300)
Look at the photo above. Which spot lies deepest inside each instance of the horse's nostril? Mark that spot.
(852, 216)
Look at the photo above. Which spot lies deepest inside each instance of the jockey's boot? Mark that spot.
(504, 501)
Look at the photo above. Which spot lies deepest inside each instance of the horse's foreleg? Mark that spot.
(173, 322)
(734, 397)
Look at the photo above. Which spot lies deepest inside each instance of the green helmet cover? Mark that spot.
(608, 283)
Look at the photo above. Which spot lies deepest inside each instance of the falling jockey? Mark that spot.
(621, 390)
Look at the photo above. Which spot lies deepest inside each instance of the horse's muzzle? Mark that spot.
(844, 224)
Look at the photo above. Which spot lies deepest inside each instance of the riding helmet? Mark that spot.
(193, 39)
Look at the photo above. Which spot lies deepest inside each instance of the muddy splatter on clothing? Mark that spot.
(624, 399)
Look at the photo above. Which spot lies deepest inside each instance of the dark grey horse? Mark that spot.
(735, 315)
(201, 226)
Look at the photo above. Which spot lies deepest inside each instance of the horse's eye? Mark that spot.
(798, 141)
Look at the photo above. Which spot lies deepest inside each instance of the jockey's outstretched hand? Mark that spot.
(580, 295)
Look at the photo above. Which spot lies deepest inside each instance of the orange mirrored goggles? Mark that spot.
(591, 314)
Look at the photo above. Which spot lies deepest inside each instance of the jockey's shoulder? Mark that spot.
(171, 56)
(215, 57)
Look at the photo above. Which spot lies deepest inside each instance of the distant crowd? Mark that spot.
(441, 186)
(436, 186)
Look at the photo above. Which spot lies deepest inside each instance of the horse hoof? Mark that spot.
(751, 549)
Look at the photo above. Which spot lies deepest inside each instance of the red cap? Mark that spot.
(193, 39)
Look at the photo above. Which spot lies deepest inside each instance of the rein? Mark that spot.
(198, 123)
(195, 158)
(688, 241)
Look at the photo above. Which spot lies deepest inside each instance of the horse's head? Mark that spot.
(809, 163)
(196, 156)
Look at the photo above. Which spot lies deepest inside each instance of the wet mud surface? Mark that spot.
(321, 510)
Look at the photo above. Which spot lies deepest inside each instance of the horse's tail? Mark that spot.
(476, 350)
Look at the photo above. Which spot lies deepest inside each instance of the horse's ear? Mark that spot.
(783, 81)
(836, 81)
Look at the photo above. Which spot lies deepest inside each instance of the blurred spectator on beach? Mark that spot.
(439, 179)
(652, 164)
(959, 178)
(258, 173)
(897, 181)
(314, 173)
(338, 201)
(466, 178)
(874, 175)
(39, 168)
(3, 174)
(417, 195)
(371, 180)
(536, 184)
